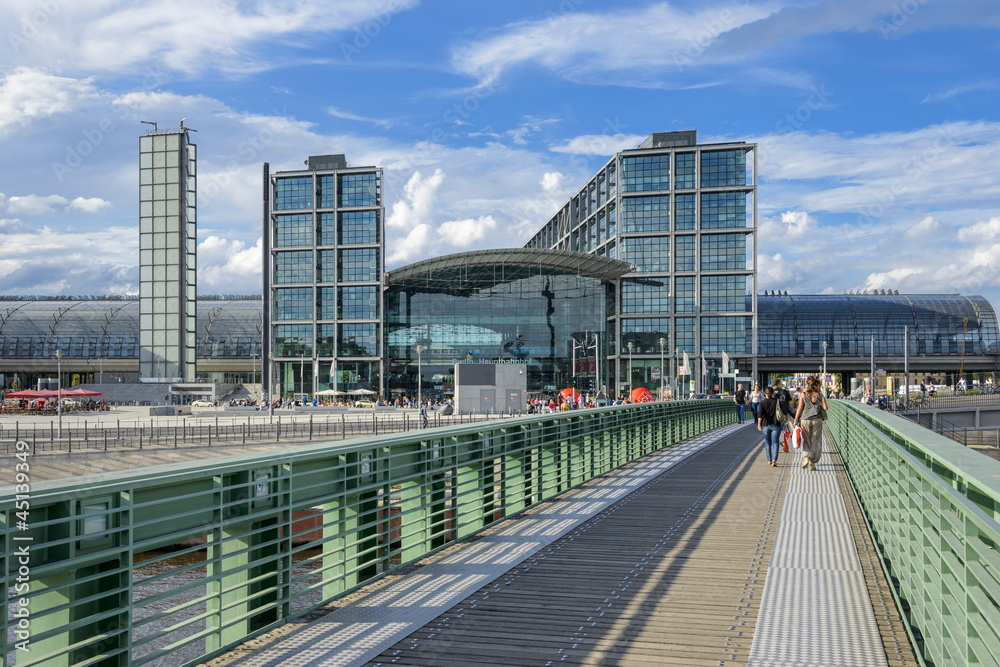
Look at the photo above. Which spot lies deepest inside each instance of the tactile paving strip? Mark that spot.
(815, 610)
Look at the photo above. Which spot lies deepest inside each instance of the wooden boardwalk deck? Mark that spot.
(671, 573)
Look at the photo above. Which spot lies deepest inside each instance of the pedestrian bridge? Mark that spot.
(639, 534)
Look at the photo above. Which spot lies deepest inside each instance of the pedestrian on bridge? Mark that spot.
(740, 398)
(810, 414)
(767, 422)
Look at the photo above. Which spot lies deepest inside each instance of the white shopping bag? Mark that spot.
(797, 437)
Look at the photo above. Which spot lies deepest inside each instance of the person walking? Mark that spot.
(767, 422)
(423, 415)
(810, 414)
(756, 396)
(740, 398)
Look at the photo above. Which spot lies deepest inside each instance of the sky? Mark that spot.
(876, 121)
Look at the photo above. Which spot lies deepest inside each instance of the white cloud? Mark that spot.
(552, 180)
(186, 36)
(416, 206)
(965, 89)
(599, 144)
(465, 233)
(35, 204)
(926, 228)
(789, 226)
(229, 267)
(377, 122)
(416, 244)
(89, 205)
(27, 95)
(980, 232)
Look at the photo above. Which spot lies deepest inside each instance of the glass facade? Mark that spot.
(167, 256)
(325, 277)
(516, 307)
(680, 233)
(938, 326)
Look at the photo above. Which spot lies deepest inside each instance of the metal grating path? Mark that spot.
(662, 562)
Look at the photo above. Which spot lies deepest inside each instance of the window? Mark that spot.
(725, 293)
(326, 192)
(358, 227)
(293, 340)
(722, 210)
(293, 193)
(684, 332)
(684, 253)
(648, 253)
(645, 334)
(293, 230)
(648, 296)
(359, 265)
(358, 190)
(684, 294)
(294, 303)
(684, 216)
(293, 267)
(358, 302)
(327, 266)
(646, 214)
(645, 173)
(684, 177)
(725, 334)
(723, 252)
(327, 229)
(358, 340)
(723, 168)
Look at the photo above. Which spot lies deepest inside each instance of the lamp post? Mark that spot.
(59, 389)
(825, 344)
(663, 345)
(629, 346)
(420, 398)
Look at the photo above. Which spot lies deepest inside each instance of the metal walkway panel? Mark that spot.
(364, 629)
(816, 610)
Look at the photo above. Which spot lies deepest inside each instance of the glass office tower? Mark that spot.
(324, 257)
(167, 256)
(685, 215)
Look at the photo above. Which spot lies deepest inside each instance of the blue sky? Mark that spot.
(877, 124)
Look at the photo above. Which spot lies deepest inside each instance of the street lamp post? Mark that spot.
(420, 398)
(663, 345)
(629, 346)
(824, 367)
(59, 389)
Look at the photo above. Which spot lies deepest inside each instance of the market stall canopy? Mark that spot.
(363, 392)
(330, 392)
(80, 391)
(31, 393)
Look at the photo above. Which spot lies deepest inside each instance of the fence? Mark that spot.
(933, 508)
(261, 539)
(48, 437)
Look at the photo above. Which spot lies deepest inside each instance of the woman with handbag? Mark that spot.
(810, 414)
(767, 421)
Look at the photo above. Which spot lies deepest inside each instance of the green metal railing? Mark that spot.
(180, 562)
(933, 508)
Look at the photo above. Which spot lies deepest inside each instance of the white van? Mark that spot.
(914, 389)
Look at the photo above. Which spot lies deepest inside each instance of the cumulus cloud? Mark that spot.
(927, 227)
(552, 181)
(789, 226)
(35, 204)
(465, 233)
(414, 245)
(418, 200)
(229, 267)
(980, 232)
(89, 204)
(29, 94)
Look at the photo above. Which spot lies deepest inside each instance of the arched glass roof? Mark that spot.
(466, 272)
(792, 324)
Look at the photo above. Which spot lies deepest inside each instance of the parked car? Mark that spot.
(200, 403)
(364, 404)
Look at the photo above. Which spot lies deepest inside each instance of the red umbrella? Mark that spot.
(80, 391)
(31, 393)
